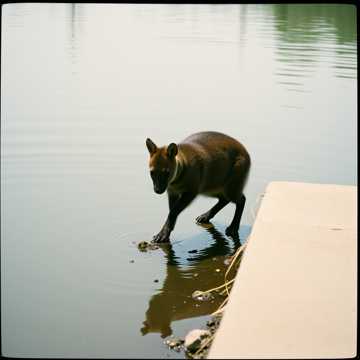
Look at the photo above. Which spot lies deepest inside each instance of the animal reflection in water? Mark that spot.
(185, 274)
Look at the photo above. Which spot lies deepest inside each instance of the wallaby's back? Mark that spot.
(209, 159)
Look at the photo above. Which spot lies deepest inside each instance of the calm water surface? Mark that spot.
(82, 87)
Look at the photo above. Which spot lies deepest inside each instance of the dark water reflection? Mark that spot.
(82, 87)
(186, 272)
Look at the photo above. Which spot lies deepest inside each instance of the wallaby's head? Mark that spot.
(162, 164)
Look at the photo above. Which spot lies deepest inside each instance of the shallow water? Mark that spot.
(83, 86)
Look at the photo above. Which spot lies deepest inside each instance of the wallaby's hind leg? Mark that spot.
(233, 228)
(234, 192)
(204, 218)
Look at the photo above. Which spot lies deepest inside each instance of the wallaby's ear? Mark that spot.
(172, 150)
(151, 146)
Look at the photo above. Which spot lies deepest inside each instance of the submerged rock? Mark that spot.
(210, 323)
(145, 246)
(214, 323)
(196, 294)
(174, 343)
(195, 339)
(201, 296)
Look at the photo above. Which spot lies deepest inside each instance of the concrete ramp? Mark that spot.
(295, 293)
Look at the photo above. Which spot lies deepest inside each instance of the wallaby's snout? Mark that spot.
(160, 180)
(159, 190)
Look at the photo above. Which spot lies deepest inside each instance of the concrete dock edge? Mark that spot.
(295, 294)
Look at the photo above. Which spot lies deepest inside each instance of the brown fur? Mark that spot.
(208, 163)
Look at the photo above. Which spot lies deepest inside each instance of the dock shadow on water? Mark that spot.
(190, 266)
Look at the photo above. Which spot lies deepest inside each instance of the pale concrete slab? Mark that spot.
(295, 294)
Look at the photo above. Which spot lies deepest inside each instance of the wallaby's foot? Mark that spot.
(162, 237)
(232, 231)
(203, 219)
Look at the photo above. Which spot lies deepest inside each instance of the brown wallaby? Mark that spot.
(207, 163)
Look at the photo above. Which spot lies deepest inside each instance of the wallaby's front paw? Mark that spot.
(161, 237)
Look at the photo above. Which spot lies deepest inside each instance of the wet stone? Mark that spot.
(195, 339)
(214, 323)
(145, 246)
(200, 296)
(174, 343)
